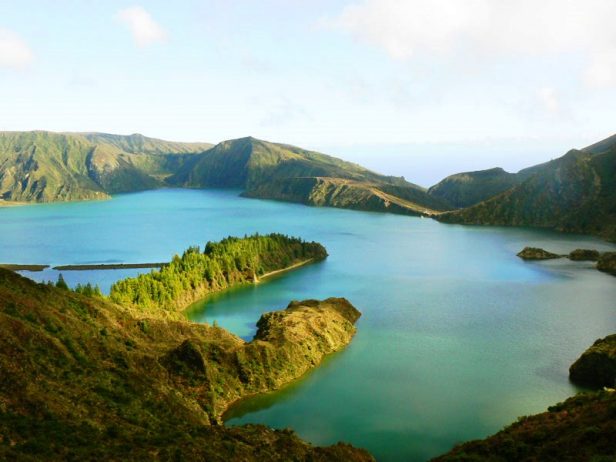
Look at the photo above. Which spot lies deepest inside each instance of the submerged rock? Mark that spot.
(535, 253)
(607, 263)
(584, 255)
(597, 365)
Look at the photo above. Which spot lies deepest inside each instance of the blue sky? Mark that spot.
(419, 88)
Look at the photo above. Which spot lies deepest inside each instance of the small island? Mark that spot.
(535, 253)
(606, 261)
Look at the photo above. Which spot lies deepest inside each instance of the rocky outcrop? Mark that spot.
(584, 255)
(607, 263)
(597, 365)
(535, 253)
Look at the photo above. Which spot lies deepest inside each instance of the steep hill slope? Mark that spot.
(84, 379)
(574, 193)
(277, 171)
(45, 166)
(469, 188)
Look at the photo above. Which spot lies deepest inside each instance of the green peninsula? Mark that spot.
(195, 274)
(85, 379)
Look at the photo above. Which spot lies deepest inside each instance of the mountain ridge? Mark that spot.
(573, 193)
(42, 166)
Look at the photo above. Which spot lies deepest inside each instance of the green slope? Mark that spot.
(44, 166)
(574, 193)
(84, 379)
(279, 171)
(469, 188)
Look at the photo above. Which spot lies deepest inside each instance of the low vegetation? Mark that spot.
(85, 379)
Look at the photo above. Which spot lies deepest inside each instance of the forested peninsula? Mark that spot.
(221, 265)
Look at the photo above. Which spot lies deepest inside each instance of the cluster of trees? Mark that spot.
(84, 289)
(221, 265)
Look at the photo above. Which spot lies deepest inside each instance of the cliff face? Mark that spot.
(83, 378)
(597, 365)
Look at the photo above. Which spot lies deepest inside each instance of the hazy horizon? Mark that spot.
(405, 88)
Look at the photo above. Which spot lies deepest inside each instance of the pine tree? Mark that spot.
(61, 283)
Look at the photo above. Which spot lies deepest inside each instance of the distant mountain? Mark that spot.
(278, 171)
(469, 188)
(45, 166)
(574, 193)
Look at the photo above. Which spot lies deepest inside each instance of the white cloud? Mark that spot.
(549, 99)
(14, 52)
(145, 30)
(403, 28)
(602, 69)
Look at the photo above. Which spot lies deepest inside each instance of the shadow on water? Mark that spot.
(278, 397)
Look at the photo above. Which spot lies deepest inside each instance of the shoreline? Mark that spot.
(109, 266)
(258, 279)
(19, 267)
(188, 308)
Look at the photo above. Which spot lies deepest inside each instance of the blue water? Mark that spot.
(458, 336)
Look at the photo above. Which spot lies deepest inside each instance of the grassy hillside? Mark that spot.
(349, 194)
(85, 379)
(278, 171)
(46, 167)
(574, 193)
(469, 188)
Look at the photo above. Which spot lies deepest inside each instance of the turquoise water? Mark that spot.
(458, 336)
